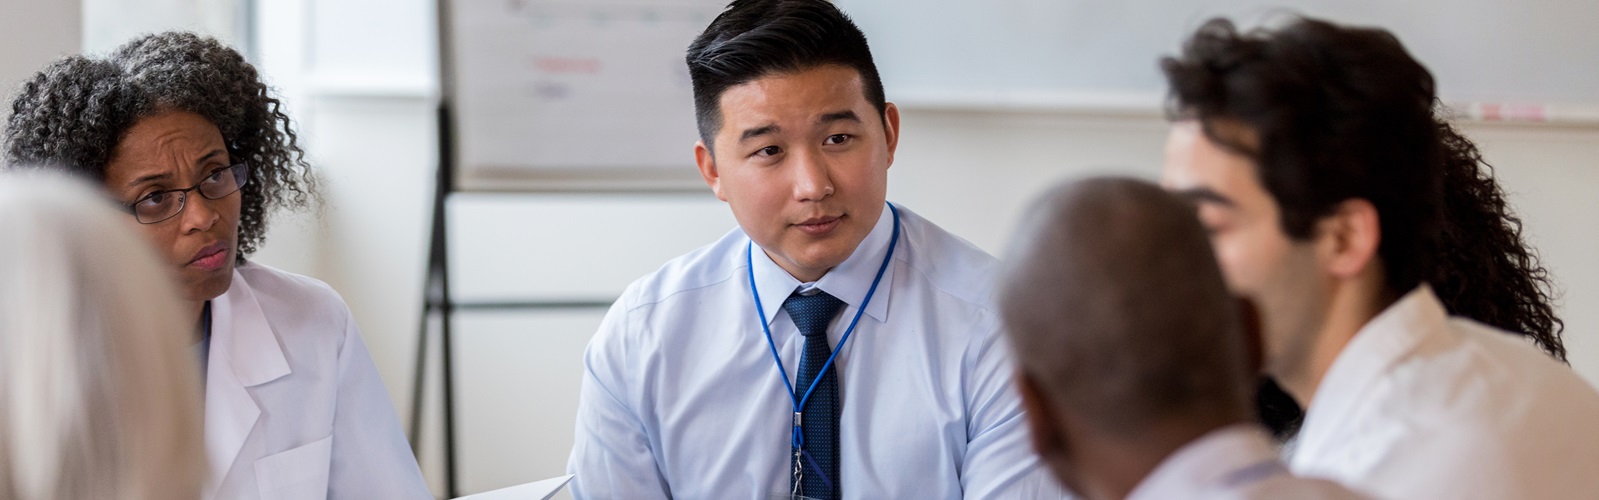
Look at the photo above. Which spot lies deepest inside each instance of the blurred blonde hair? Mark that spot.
(99, 395)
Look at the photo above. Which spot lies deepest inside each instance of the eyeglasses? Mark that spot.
(163, 205)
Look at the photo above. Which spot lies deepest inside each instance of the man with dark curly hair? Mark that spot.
(1399, 303)
(181, 131)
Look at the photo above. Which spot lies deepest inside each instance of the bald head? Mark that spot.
(1117, 311)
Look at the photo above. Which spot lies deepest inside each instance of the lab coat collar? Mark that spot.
(1382, 343)
(848, 282)
(244, 353)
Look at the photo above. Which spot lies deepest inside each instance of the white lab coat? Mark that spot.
(294, 407)
(1424, 405)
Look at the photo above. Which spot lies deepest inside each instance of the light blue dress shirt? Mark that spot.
(681, 397)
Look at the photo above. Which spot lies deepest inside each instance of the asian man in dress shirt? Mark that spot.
(832, 345)
(1135, 368)
(1397, 296)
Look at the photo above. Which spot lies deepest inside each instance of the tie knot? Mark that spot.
(812, 312)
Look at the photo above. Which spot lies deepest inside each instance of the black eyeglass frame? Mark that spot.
(241, 177)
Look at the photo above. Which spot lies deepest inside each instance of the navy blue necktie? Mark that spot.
(819, 422)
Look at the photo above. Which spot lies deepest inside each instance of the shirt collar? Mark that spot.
(848, 281)
(1377, 346)
(1223, 459)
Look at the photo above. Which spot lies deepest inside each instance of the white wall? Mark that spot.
(1551, 175)
(109, 23)
(33, 33)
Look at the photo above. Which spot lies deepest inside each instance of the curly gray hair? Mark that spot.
(74, 112)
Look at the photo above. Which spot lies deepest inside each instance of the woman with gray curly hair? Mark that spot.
(182, 131)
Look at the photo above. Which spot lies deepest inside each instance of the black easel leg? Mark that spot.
(436, 297)
(419, 374)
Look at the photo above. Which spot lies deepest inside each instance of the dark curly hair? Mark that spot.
(73, 114)
(1344, 112)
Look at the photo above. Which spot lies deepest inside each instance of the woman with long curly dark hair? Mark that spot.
(1396, 293)
(181, 131)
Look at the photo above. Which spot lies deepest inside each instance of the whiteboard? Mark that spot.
(1086, 53)
(594, 94)
(574, 94)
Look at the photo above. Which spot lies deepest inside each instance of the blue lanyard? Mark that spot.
(798, 438)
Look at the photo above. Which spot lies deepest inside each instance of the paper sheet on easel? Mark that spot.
(538, 490)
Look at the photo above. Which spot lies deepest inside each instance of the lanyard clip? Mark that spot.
(797, 439)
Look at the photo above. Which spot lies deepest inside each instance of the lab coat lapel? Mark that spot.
(244, 353)
(1384, 342)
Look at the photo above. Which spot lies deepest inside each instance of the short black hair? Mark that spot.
(72, 115)
(756, 38)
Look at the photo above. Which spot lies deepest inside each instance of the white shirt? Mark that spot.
(1422, 405)
(1234, 462)
(681, 397)
(294, 408)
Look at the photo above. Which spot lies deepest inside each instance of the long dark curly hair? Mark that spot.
(72, 114)
(1344, 112)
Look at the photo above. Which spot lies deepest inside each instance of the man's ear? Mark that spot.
(891, 130)
(1048, 440)
(1349, 238)
(707, 164)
